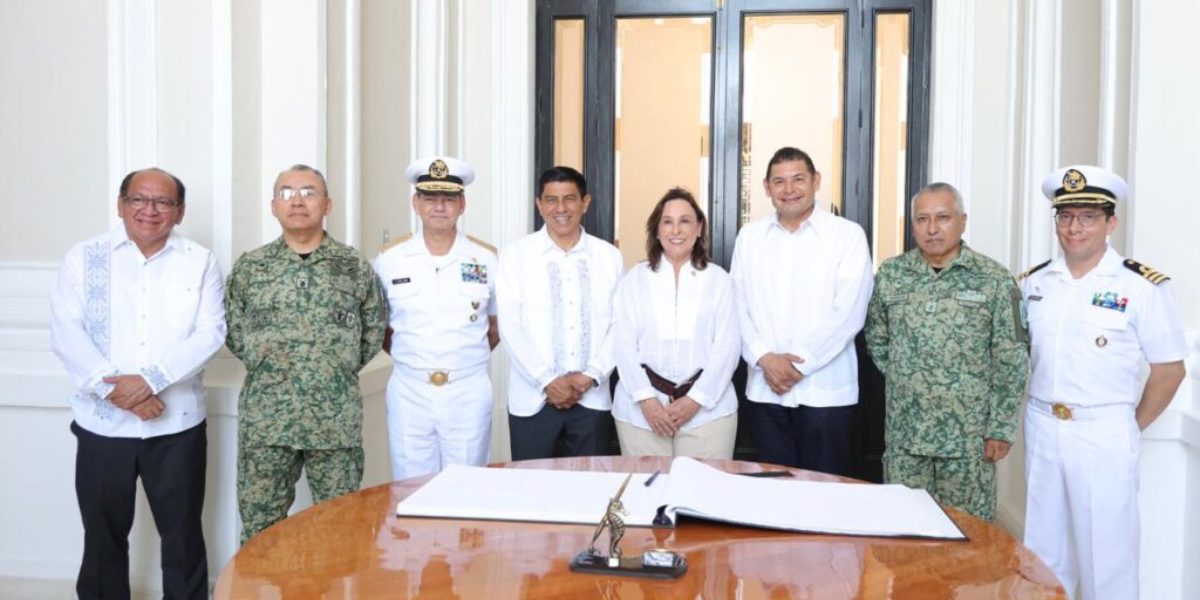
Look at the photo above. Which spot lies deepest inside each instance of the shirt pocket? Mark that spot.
(182, 304)
(1105, 319)
(1109, 329)
(402, 287)
(478, 294)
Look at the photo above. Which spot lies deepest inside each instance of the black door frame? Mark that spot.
(728, 23)
(599, 99)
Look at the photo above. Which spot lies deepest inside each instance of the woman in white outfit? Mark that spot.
(676, 340)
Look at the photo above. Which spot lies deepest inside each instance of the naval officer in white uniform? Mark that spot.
(440, 286)
(1094, 319)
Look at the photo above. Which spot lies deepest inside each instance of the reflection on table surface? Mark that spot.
(355, 547)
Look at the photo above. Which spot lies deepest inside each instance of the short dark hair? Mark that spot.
(789, 154)
(180, 191)
(561, 174)
(654, 248)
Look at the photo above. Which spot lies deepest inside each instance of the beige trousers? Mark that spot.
(711, 440)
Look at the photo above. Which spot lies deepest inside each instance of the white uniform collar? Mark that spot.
(415, 246)
(817, 220)
(548, 243)
(666, 270)
(117, 237)
(1109, 265)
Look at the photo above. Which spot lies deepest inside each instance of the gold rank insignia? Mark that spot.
(1150, 274)
(1033, 270)
(1074, 181)
(439, 170)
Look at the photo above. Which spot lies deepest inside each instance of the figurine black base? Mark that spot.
(597, 564)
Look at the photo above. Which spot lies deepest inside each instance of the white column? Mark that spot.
(293, 93)
(222, 132)
(1038, 150)
(352, 199)
(429, 116)
(952, 120)
(428, 120)
(132, 91)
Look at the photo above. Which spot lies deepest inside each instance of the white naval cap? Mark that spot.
(1084, 184)
(440, 174)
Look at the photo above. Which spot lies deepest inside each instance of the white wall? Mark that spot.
(53, 156)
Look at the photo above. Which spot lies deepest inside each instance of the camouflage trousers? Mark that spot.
(966, 483)
(267, 476)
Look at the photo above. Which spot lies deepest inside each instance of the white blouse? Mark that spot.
(676, 332)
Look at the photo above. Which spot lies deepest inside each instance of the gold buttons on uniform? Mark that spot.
(1062, 411)
(439, 378)
(474, 317)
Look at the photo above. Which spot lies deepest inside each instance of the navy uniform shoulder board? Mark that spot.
(1032, 271)
(395, 242)
(1152, 275)
(486, 246)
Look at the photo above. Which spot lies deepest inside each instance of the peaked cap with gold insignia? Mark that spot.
(1084, 185)
(440, 175)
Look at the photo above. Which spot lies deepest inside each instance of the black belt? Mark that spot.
(669, 387)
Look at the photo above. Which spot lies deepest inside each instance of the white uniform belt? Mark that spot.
(1074, 412)
(439, 377)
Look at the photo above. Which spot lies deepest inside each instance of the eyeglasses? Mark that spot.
(1084, 219)
(287, 194)
(139, 202)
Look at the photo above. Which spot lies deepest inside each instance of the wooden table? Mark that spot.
(355, 547)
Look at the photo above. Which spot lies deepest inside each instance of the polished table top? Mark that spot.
(355, 547)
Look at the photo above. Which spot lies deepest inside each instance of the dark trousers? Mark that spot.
(172, 471)
(817, 439)
(582, 431)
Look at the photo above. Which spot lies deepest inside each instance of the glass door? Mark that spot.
(645, 95)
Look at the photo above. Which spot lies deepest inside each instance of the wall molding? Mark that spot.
(952, 128)
(132, 89)
(222, 132)
(352, 143)
(1040, 106)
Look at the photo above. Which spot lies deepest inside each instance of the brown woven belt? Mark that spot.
(668, 387)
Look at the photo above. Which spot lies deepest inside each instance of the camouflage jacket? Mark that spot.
(303, 328)
(953, 347)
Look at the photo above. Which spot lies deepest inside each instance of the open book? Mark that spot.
(692, 489)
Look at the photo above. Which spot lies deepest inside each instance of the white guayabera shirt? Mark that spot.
(555, 315)
(803, 292)
(116, 312)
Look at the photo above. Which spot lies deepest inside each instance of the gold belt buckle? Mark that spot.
(1062, 411)
(439, 378)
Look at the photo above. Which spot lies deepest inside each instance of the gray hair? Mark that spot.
(934, 188)
(304, 169)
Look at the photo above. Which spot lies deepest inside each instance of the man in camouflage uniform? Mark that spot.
(945, 328)
(305, 314)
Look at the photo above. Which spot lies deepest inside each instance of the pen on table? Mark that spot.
(653, 477)
(768, 474)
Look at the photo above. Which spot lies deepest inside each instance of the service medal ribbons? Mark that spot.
(474, 273)
(1110, 300)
